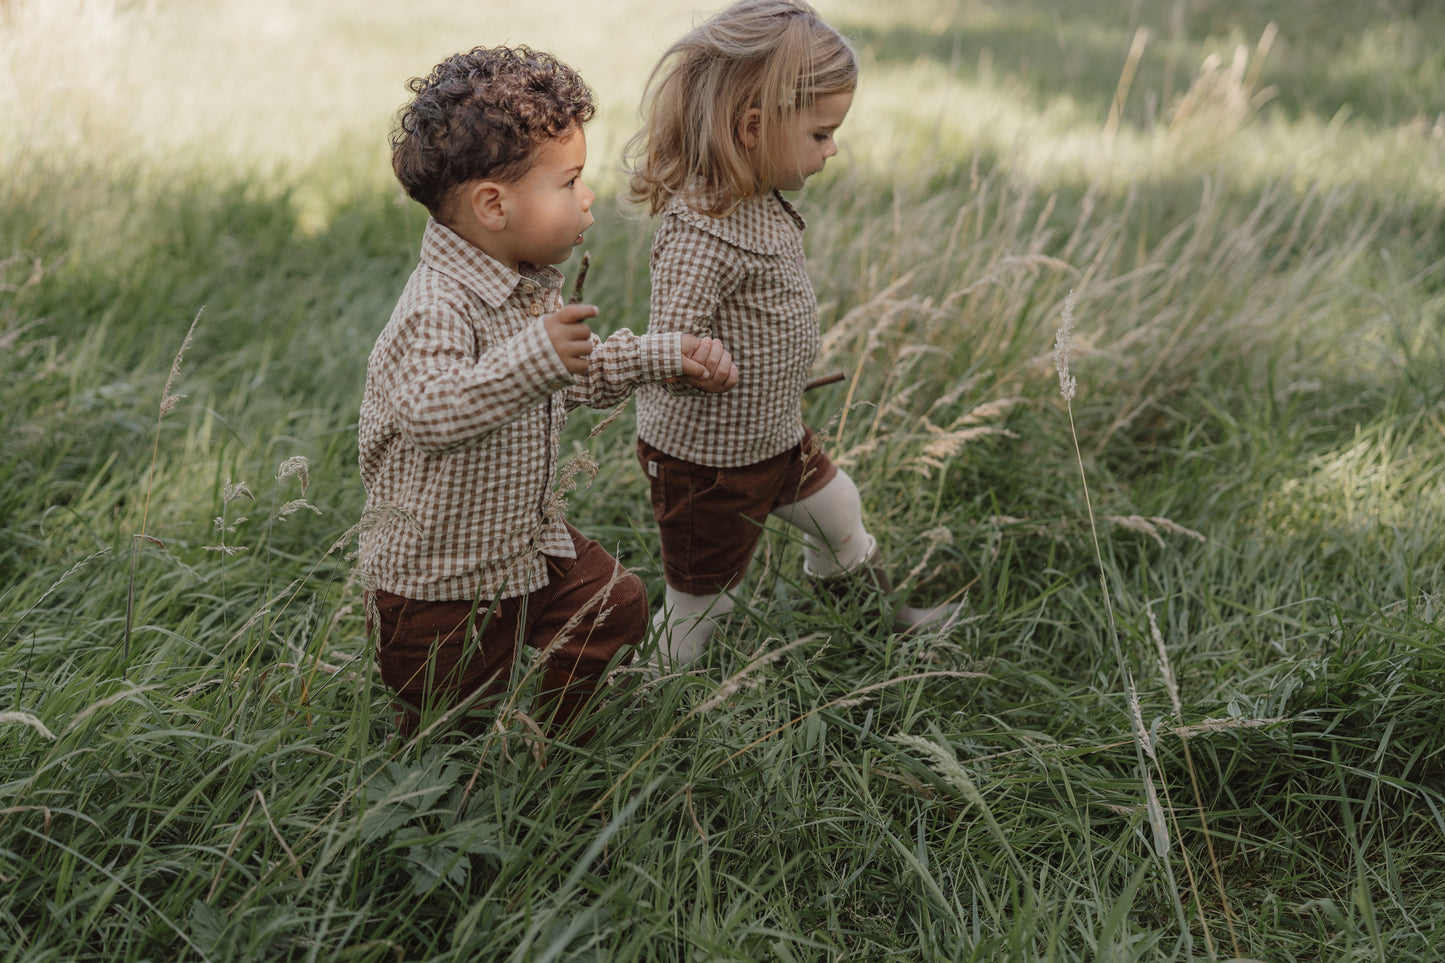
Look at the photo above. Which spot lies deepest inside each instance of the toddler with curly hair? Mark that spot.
(467, 390)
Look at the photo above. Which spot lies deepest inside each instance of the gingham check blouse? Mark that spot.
(464, 401)
(742, 279)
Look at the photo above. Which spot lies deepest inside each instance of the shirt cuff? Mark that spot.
(661, 356)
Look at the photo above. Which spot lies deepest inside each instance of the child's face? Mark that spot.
(550, 206)
(804, 143)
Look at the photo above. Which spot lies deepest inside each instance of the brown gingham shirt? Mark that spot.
(465, 398)
(743, 280)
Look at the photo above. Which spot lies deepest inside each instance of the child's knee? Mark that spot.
(620, 620)
(630, 609)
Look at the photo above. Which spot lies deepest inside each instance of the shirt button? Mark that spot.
(535, 309)
(528, 287)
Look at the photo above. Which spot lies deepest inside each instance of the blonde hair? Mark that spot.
(776, 56)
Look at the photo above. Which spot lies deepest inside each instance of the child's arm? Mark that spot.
(693, 273)
(608, 371)
(445, 397)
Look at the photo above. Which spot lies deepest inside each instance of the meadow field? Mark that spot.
(1142, 308)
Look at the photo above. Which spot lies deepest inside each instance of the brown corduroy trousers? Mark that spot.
(455, 658)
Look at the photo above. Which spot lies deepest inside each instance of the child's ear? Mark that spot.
(488, 203)
(749, 127)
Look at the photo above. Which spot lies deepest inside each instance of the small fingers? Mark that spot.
(707, 365)
(572, 313)
(711, 353)
(719, 378)
(570, 335)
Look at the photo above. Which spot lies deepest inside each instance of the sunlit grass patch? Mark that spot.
(1189, 709)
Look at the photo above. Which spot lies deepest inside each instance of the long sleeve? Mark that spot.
(624, 362)
(445, 398)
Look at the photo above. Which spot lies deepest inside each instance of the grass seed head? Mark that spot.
(1063, 346)
(297, 466)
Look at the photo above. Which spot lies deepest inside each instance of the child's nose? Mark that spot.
(587, 197)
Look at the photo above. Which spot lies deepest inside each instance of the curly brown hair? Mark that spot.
(481, 114)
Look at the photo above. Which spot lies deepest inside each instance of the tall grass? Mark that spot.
(1189, 709)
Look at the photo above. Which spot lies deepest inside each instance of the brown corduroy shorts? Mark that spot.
(710, 519)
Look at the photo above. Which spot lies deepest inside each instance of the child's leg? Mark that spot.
(455, 656)
(590, 611)
(443, 656)
(709, 520)
(842, 557)
(834, 539)
(685, 623)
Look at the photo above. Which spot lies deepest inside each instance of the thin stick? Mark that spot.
(581, 278)
(826, 379)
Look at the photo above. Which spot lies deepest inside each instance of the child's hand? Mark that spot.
(571, 337)
(707, 365)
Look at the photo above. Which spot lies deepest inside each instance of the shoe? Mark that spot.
(869, 579)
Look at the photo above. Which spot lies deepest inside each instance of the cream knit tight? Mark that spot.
(834, 540)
